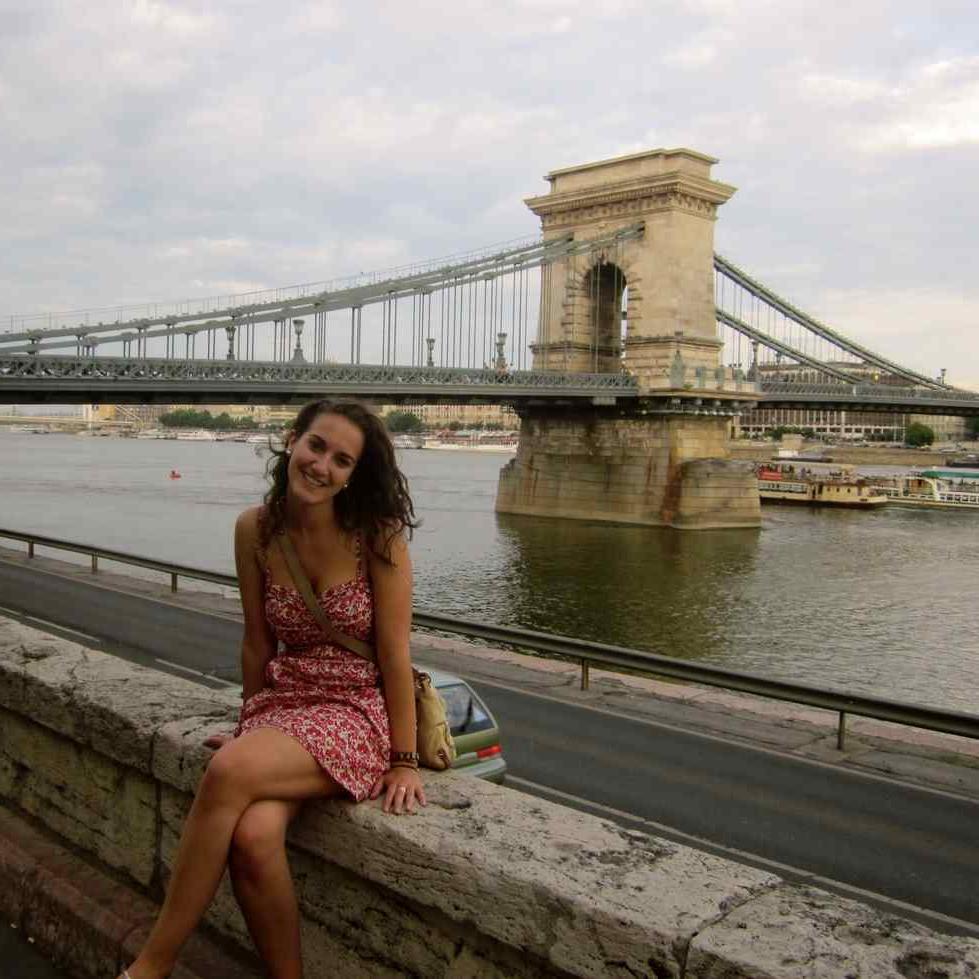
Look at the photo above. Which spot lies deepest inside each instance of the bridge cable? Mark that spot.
(797, 316)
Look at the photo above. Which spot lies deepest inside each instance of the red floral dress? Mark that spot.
(325, 696)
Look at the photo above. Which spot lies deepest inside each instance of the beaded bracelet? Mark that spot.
(395, 756)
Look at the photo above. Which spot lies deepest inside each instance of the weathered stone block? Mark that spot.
(106, 808)
(560, 885)
(77, 692)
(794, 932)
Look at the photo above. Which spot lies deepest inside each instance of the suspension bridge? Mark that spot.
(619, 308)
(458, 331)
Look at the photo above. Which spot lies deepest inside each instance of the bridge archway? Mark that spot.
(668, 267)
(603, 288)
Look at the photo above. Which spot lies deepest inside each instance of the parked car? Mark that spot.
(474, 729)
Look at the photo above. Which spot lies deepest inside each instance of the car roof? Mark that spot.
(440, 678)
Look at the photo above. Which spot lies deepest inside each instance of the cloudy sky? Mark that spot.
(162, 149)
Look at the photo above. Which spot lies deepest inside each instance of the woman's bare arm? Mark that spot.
(392, 631)
(258, 641)
(402, 787)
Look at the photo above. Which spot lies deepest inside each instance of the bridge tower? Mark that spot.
(645, 306)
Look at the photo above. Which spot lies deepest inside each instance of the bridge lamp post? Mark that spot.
(430, 343)
(230, 331)
(297, 354)
(753, 369)
(500, 363)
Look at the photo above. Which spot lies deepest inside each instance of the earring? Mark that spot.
(288, 452)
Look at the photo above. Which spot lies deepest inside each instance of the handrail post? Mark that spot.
(841, 731)
(30, 548)
(95, 563)
(173, 581)
(585, 671)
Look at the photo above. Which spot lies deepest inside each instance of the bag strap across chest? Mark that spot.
(301, 581)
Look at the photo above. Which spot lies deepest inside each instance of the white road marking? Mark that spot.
(727, 741)
(192, 672)
(47, 625)
(743, 856)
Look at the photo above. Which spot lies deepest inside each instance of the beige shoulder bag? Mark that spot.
(434, 740)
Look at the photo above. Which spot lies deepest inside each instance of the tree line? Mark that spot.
(189, 418)
(396, 421)
(409, 422)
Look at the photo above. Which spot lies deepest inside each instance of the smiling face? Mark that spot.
(322, 459)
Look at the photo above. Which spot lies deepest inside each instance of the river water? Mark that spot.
(877, 602)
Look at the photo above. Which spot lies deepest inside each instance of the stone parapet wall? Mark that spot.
(483, 882)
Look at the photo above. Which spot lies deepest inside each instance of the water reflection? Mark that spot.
(648, 587)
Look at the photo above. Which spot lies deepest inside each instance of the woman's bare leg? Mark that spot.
(263, 764)
(263, 885)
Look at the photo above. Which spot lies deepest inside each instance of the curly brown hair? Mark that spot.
(376, 501)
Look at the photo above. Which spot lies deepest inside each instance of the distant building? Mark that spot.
(842, 423)
(440, 416)
(45, 410)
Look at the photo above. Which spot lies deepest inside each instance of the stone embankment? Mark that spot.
(98, 760)
(850, 455)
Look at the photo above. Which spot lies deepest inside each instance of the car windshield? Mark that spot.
(465, 710)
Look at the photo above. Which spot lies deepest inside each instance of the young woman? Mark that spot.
(317, 720)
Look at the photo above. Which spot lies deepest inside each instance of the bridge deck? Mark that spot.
(122, 380)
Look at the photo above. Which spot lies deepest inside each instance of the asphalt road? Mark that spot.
(878, 835)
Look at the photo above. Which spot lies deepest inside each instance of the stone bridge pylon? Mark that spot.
(644, 305)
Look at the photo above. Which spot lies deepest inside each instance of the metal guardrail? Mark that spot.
(589, 654)
(175, 571)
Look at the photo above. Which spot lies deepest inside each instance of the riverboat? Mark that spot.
(196, 435)
(932, 489)
(968, 461)
(840, 487)
(408, 442)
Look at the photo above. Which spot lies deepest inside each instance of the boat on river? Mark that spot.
(408, 442)
(779, 482)
(968, 461)
(196, 435)
(932, 489)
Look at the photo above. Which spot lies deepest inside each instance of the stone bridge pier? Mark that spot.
(645, 306)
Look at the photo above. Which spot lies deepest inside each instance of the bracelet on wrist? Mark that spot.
(396, 756)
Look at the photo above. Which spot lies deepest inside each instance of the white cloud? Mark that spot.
(696, 54)
(936, 108)
(925, 328)
(170, 17)
(836, 91)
